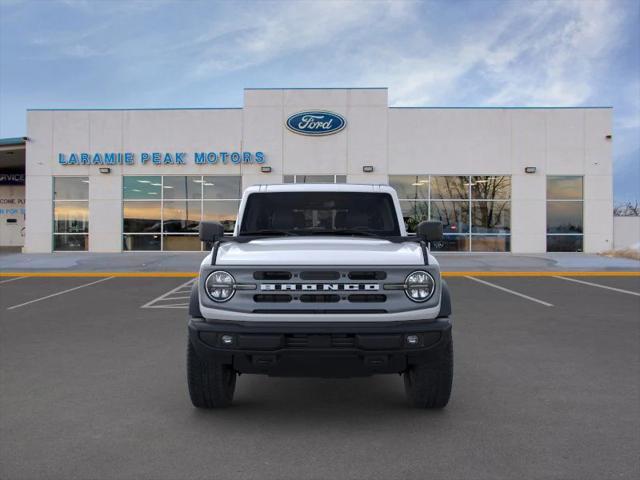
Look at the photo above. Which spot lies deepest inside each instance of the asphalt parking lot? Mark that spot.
(547, 385)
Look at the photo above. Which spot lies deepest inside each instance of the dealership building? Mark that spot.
(512, 179)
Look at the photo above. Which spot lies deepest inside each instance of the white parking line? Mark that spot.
(628, 292)
(11, 279)
(512, 292)
(178, 294)
(59, 293)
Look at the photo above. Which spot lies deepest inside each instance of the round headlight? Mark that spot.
(220, 286)
(419, 286)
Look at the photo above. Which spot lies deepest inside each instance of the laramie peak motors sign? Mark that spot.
(161, 158)
(316, 122)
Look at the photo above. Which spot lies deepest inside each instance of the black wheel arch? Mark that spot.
(445, 301)
(194, 302)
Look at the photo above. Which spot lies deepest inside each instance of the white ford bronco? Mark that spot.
(320, 280)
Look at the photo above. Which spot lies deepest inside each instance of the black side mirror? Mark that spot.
(211, 231)
(430, 231)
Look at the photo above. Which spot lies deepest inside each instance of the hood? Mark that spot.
(320, 251)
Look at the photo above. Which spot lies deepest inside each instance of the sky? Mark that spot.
(157, 53)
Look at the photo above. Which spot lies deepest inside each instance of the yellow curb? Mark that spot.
(542, 274)
(195, 274)
(102, 274)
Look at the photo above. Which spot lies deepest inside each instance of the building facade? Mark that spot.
(524, 180)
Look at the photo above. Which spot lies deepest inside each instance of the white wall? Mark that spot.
(39, 161)
(457, 141)
(626, 232)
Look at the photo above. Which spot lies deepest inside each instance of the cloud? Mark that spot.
(553, 60)
(278, 30)
(542, 53)
(537, 53)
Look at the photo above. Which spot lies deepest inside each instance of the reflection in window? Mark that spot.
(449, 199)
(564, 243)
(409, 187)
(142, 187)
(65, 243)
(141, 242)
(451, 243)
(181, 242)
(564, 213)
(490, 217)
(564, 217)
(181, 216)
(141, 217)
(224, 212)
(222, 187)
(490, 243)
(493, 187)
(453, 215)
(164, 212)
(564, 188)
(70, 213)
(413, 213)
(188, 187)
(71, 188)
(71, 217)
(450, 187)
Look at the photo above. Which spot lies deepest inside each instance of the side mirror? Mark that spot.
(430, 231)
(211, 231)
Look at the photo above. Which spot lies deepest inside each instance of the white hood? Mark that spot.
(328, 251)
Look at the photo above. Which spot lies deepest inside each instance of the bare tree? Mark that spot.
(627, 209)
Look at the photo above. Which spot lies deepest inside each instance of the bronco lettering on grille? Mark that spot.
(314, 287)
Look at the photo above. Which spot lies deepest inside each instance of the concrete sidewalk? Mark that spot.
(189, 262)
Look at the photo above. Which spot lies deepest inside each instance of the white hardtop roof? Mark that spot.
(320, 187)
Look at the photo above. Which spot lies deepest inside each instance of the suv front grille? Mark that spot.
(364, 275)
(320, 341)
(319, 298)
(337, 289)
(272, 275)
(271, 298)
(320, 275)
(364, 298)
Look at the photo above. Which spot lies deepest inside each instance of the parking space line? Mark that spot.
(522, 295)
(171, 296)
(620, 290)
(12, 279)
(59, 293)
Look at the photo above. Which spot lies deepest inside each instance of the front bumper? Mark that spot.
(320, 350)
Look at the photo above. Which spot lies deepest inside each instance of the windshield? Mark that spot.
(317, 213)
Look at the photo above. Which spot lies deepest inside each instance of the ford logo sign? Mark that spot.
(316, 123)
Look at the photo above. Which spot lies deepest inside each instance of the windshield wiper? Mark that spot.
(266, 231)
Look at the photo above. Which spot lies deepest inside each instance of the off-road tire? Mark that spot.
(429, 385)
(211, 384)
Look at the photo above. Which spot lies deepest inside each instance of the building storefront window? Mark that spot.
(164, 212)
(70, 213)
(314, 179)
(475, 211)
(564, 214)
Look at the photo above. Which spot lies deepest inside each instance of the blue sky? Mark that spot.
(156, 53)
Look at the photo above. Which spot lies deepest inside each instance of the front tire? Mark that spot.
(429, 385)
(211, 384)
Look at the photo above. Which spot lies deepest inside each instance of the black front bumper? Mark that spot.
(320, 349)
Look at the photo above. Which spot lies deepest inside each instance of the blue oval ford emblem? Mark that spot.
(316, 123)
